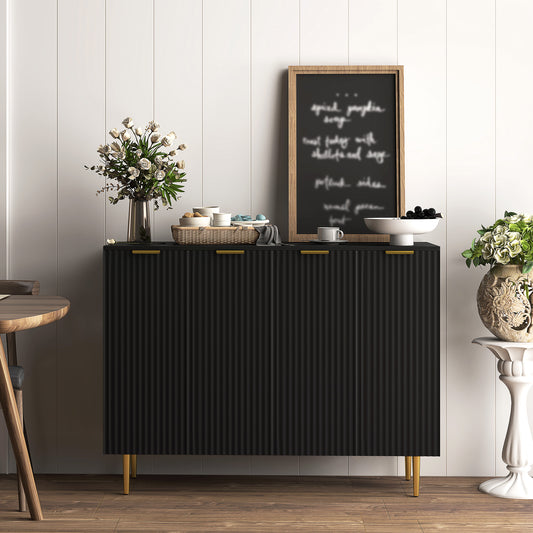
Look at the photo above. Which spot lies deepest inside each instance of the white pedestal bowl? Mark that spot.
(401, 230)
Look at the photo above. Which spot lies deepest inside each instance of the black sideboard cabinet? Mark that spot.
(285, 350)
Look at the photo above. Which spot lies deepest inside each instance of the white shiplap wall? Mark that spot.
(215, 72)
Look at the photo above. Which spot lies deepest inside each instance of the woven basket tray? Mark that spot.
(212, 235)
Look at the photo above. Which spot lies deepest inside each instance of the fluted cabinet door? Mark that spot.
(229, 342)
(357, 353)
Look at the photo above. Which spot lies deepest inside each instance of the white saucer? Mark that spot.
(318, 241)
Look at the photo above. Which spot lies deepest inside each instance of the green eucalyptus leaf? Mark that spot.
(527, 267)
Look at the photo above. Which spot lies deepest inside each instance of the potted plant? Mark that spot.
(137, 165)
(505, 295)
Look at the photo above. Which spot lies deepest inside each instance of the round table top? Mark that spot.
(26, 312)
(494, 341)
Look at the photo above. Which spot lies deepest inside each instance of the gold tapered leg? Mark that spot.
(407, 467)
(126, 473)
(416, 475)
(134, 466)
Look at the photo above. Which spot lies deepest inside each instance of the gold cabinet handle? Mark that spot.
(146, 252)
(314, 252)
(399, 252)
(230, 252)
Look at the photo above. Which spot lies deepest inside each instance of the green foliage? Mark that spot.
(508, 241)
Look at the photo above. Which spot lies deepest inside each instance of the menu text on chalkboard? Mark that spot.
(345, 148)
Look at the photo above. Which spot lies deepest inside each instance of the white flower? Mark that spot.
(166, 140)
(513, 219)
(153, 125)
(513, 237)
(499, 230)
(158, 160)
(528, 219)
(181, 164)
(134, 172)
(515, 249)
(486, 237)
(498, 240)
(502, 256)
(120, 155)
(114, 133)
(487, 251)
(104, 149)
(145, 163)
(126, 135)
(128, 122)
(139, 131)
(115, 146)
(138, 152)
(159, 174)
(155, 137)
(182, 147)
(172, 153)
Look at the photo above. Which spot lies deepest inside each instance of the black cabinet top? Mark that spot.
(285, 246)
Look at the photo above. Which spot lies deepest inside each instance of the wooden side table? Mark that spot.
(18, 313)
(515, 364)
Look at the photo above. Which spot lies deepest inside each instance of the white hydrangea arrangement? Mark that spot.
(139, 166)
(508, 241)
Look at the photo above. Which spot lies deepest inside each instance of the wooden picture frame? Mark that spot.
(397, 178)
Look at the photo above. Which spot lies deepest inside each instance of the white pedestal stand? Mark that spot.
(515, 364)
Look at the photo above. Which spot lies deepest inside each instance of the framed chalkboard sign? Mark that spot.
(346, 148)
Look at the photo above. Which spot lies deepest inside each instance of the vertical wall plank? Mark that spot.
(425, 146)
(373, 35)
(33, 208)
(270, 59)
(226, 107)
(5, 65)
(323, 32)
(471, 198)
(5, 70)
(129, 80)
(81, 78)
(514, 146)
(178, 97)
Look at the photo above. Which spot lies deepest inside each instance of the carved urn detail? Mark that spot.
(504, 301)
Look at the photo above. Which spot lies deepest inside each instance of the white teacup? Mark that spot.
(330, 234)
(221, 219)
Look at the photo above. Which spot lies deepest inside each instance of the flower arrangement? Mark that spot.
(139, 166)
(508, 241)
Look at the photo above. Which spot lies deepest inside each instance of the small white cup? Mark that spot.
(330, 234)
(221, 219)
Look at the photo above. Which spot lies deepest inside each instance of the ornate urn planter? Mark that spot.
(504, 301)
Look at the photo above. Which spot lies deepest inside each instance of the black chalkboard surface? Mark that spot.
(345, 148)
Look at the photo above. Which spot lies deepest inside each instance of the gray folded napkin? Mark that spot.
(268, 236)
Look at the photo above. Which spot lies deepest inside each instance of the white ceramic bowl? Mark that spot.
(206, 211)
(195, 222)
(401, 230)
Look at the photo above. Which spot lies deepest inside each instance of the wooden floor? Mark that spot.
(202, 503)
